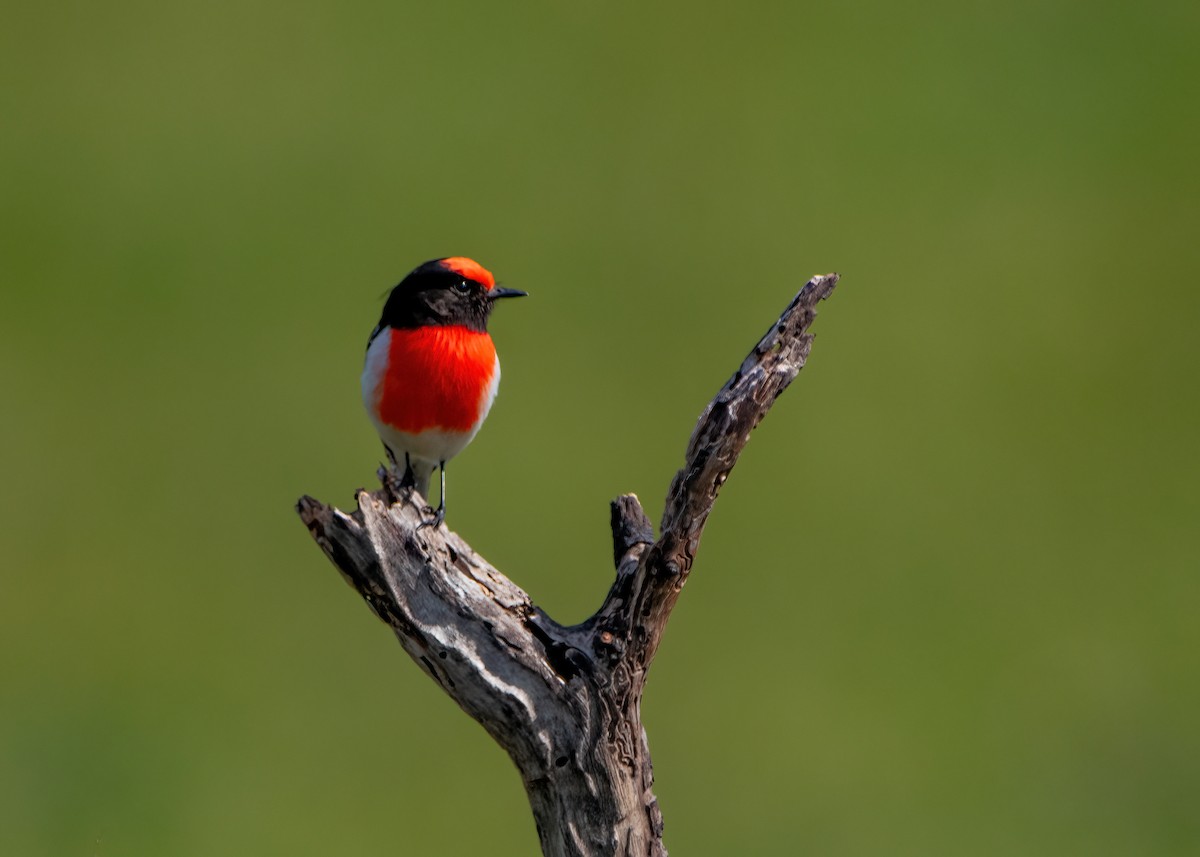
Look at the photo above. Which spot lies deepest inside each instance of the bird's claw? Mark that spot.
(397, 486)
(439, 517)
(398, 480)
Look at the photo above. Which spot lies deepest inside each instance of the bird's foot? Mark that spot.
(399, 486)
(439, 518)
(399, 482)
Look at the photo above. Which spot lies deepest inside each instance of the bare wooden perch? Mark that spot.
(563, 701)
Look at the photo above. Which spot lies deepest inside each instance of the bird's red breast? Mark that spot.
(437, 376)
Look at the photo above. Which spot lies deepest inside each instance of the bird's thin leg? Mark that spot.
(441, 509)
(407, 480)
(439, 514)
(410, 479)
(392, 478)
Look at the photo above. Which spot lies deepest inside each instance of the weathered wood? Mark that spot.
(564, 701)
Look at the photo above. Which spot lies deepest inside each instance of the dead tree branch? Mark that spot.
(564, 701)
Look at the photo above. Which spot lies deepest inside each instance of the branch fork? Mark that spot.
(564, 701)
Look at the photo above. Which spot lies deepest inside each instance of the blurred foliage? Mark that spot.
(947, 603)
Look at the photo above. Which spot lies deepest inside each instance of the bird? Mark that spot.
(431, 370)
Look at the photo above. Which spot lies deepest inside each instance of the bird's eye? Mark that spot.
(462, 287)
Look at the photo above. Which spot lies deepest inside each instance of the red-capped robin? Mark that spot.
(431, 371)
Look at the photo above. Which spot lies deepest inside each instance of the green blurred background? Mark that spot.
(947, 603)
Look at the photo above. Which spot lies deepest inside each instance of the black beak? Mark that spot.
(496, 292)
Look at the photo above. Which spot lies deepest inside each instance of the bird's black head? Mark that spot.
(455, 290)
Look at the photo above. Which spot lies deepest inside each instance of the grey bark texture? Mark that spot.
(564, 701)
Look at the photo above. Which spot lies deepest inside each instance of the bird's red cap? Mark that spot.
(470, 269)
